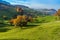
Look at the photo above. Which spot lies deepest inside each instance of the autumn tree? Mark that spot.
(20, 20)
(57, 14)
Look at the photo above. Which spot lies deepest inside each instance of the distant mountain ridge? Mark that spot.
(47, 11)
(7, 9)
(21, 6)
(4, 2)
(7, 4)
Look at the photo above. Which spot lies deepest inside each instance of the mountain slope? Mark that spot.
(44, 31)
(47, 11)
(10, 10)
(4, 2)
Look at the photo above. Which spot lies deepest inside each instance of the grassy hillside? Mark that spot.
(33, 31)
(44, 27)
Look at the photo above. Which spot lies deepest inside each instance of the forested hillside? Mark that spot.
(10, 10)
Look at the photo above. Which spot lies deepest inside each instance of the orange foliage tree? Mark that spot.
(57, 14)
(21, 20)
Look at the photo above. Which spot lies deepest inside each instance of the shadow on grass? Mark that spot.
(37, 22)
(18, 39)
(29, 26)
(4, 29)
(3, 25)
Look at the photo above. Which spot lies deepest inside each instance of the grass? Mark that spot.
(44, 31)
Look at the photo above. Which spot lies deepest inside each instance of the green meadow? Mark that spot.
(44, 28)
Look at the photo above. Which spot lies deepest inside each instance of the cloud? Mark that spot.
(55, 4)
(48, 6)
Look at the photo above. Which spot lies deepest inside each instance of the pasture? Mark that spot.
(46, 28)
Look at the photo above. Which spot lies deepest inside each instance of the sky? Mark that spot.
(37, 4)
